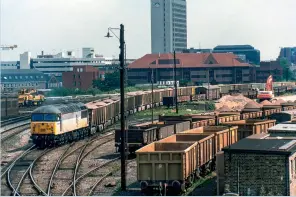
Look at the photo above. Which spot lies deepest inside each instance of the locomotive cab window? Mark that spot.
(51, 117)
(45, 117)
(84, 114)
(37, 117)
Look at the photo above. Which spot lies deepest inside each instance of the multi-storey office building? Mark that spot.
(168, 26)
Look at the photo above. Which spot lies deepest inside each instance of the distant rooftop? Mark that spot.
(265, 146)
(284, 127)
(224, 47)
(19, 71)
(189, 60)
(267, 136)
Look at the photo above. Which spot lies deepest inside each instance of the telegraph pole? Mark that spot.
(122, 110)
(208, 93)
(122, 56)
(175, 77)
(152, 97)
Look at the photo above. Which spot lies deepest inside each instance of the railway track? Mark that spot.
(28, 161)
(16, 177)
(85, 150)
(79, 150)
(14, 131)
(14, 120)
(14, 126)
(89, 172)
(105, 171)
(50, 183)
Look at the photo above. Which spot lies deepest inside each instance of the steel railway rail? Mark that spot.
(50, 183)
(14, 120)
(11, 166)
(14, 131)
(87, 173)
(98, 182)
(11, 127)
(83, 154)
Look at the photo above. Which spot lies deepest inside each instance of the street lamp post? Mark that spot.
(122, 114)
(208, 93)
(152, 96)
(175, 78)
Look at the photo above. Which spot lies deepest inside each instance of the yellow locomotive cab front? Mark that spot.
(43, 128)
(45, 124)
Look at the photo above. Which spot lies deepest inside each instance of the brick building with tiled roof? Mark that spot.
(221, 68)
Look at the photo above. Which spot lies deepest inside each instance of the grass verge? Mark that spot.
(183, 109)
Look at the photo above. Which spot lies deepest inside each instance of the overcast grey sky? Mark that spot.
(53, 25)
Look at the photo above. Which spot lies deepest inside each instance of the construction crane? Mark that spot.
(7, 47)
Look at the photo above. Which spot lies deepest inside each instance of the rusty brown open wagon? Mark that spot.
(250, 127)
(224, 136)
(142, 134)
(166, 166)
(205, 149)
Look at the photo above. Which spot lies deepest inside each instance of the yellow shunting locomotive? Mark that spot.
(58, 124)
(30, 98)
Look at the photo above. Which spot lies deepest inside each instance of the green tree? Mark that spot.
(287, 73)
(111, 82)
(183, 82)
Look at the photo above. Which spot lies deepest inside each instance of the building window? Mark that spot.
(9, 77)
(21, 77)
(31, 77)
(79, 83)
(79, 76)
(74, 83)
(15, 77)
(37, 77)
(73, 76)
(41, 77)
(27, 77)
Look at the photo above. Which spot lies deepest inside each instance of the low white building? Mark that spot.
(53, 66)
(25, 60)
(10, 64)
